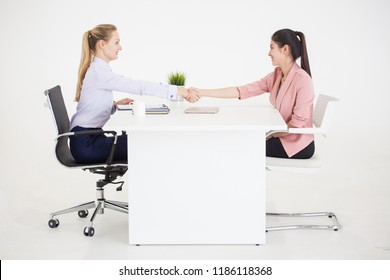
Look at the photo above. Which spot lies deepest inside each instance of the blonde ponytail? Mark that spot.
(85, 61)
(90, 38)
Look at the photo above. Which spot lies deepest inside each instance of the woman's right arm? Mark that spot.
(229, 92)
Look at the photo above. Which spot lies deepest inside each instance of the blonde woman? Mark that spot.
(94, 94)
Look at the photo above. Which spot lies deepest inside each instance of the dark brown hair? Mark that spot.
(297, 44)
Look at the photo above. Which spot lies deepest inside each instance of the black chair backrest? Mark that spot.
(57, 105)
(61, 118)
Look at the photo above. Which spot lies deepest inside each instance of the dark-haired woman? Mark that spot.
(291, 93)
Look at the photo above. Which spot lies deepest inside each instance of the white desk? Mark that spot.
(198, 179)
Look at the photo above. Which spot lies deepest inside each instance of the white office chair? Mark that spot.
(323, 112)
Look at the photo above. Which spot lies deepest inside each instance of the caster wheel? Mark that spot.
(53, 223)
(89, 231)
(83, 213)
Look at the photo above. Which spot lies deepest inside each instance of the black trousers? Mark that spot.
(274, 148)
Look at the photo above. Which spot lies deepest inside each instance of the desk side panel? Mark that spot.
(196, 187)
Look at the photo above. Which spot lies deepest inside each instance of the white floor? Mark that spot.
(354, 183)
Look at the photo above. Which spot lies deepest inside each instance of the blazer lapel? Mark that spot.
(275, 88)
(286, 84)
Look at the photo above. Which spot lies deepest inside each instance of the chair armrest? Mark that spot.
(307, 130)
(296, 130)
(86, 132)
(269, 133)
(64, 135)
(95, 132)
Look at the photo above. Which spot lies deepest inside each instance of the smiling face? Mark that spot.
(276, 53)
(109, 50)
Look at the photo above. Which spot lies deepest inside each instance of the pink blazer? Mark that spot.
(294, 101)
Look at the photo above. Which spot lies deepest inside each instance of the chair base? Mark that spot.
(100, 204)
(335, 226)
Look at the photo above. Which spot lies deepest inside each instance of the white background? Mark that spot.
(217, 43)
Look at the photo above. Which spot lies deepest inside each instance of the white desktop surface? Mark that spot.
(198, 178)
(228, 118)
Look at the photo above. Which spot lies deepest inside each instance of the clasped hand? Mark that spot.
(192, 95)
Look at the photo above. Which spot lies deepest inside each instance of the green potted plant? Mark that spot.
(178, 79)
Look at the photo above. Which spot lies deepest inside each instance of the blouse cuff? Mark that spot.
(243, 92)
(113, 109)
(297, 121)
(172, 92)
(240, 90)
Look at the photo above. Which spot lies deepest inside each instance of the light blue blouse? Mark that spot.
(96, 100)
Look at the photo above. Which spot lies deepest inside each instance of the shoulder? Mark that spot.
(99, 65)
(273, 76)
(276, 73)
(301, 76)
(100, 70)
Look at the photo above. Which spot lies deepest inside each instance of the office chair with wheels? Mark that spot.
(110, 169)
(323, 112)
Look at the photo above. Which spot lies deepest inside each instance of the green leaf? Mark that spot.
(177, 78)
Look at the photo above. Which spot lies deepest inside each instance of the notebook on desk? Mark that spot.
(150, 110)
(201, 110)
(162, 109)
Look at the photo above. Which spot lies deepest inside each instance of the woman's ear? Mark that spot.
(286, 49)
(101, 44)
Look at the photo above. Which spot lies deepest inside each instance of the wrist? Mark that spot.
(182, 91)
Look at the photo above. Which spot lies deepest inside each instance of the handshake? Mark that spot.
(191, 94)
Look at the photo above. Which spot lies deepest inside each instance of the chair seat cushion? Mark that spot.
(310, 165)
